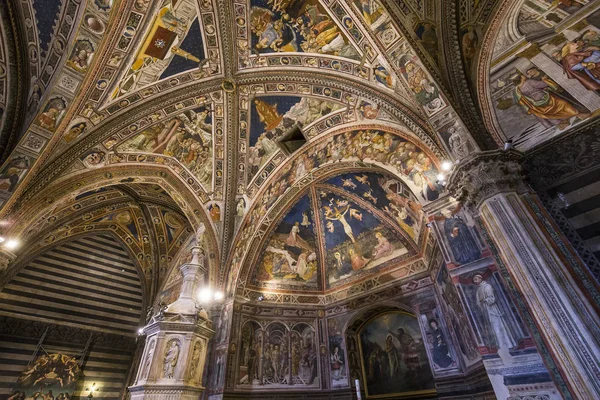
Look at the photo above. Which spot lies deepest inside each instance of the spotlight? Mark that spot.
(11, 244)
(219, 295)
(205, 295)
(141, 331)
(441, 177)
(1, 239)
(508, 145)
(261, 298)
(446, 165)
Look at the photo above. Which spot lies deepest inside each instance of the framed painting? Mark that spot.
(394, 358)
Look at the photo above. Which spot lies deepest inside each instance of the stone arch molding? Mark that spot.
(73, 184)
(256, 223)
(121, 120)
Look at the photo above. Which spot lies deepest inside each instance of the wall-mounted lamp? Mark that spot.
(92, 389)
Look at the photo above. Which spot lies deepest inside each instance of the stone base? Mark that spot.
(165, 392)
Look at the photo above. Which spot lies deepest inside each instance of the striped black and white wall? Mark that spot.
(566, 175)
(89, 284)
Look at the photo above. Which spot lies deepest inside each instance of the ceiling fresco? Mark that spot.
(542, 88)
(341, 230)
(197, 96)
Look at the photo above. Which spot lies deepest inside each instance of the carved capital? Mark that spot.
(486, 174)
(6, 257)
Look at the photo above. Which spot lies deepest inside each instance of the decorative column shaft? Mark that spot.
(176, 347)
(492, 183)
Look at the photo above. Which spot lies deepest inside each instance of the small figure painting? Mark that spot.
(428, 38)
(440, 348)
(53, 112)
(81, 56)
(215, 212)
(424, 90)
(337, 357)
(394, 358)
(75, 131)
(461, 240)
(94, 159)
(13, 171)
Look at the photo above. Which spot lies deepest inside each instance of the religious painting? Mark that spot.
(409, 162)
(425, 31)
(290, 257)
(498, 326)
(442, 354)
(394, 358)
(355, 240)
(297, 26)
(272, 116)
(425, 92)
(531, 107)
(337, 353)
(457, 139)
(544, 91)
(377, 18)
(50, 376)
(52, 113)
(388, 194)
(93, 158)
(457, 318)
(123, 218)
(75, 131)
(277, 356)
(187, 137)
(81, 55)
(469, 43)
(461, 237)
(173, 44)
(13, 171)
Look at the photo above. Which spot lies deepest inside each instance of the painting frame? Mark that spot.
(425, 393)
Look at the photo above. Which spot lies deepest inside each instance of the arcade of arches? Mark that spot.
(291, 199)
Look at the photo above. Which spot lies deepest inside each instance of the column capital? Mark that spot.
(6, 257)
(483, 175)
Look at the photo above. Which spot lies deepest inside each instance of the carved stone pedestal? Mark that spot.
(173, 362)
(176, 345)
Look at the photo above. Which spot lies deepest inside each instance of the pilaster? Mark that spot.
(492, 184)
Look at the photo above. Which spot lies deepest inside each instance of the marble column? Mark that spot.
(492, 185)
(177, 338)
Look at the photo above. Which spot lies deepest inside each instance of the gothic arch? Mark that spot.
(83, 181)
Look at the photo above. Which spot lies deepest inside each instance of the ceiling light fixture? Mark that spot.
(446, 165)
(11, 244)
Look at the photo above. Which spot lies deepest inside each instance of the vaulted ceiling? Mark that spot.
(181, 110)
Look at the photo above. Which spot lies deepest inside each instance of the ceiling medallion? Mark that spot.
(228, 85)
